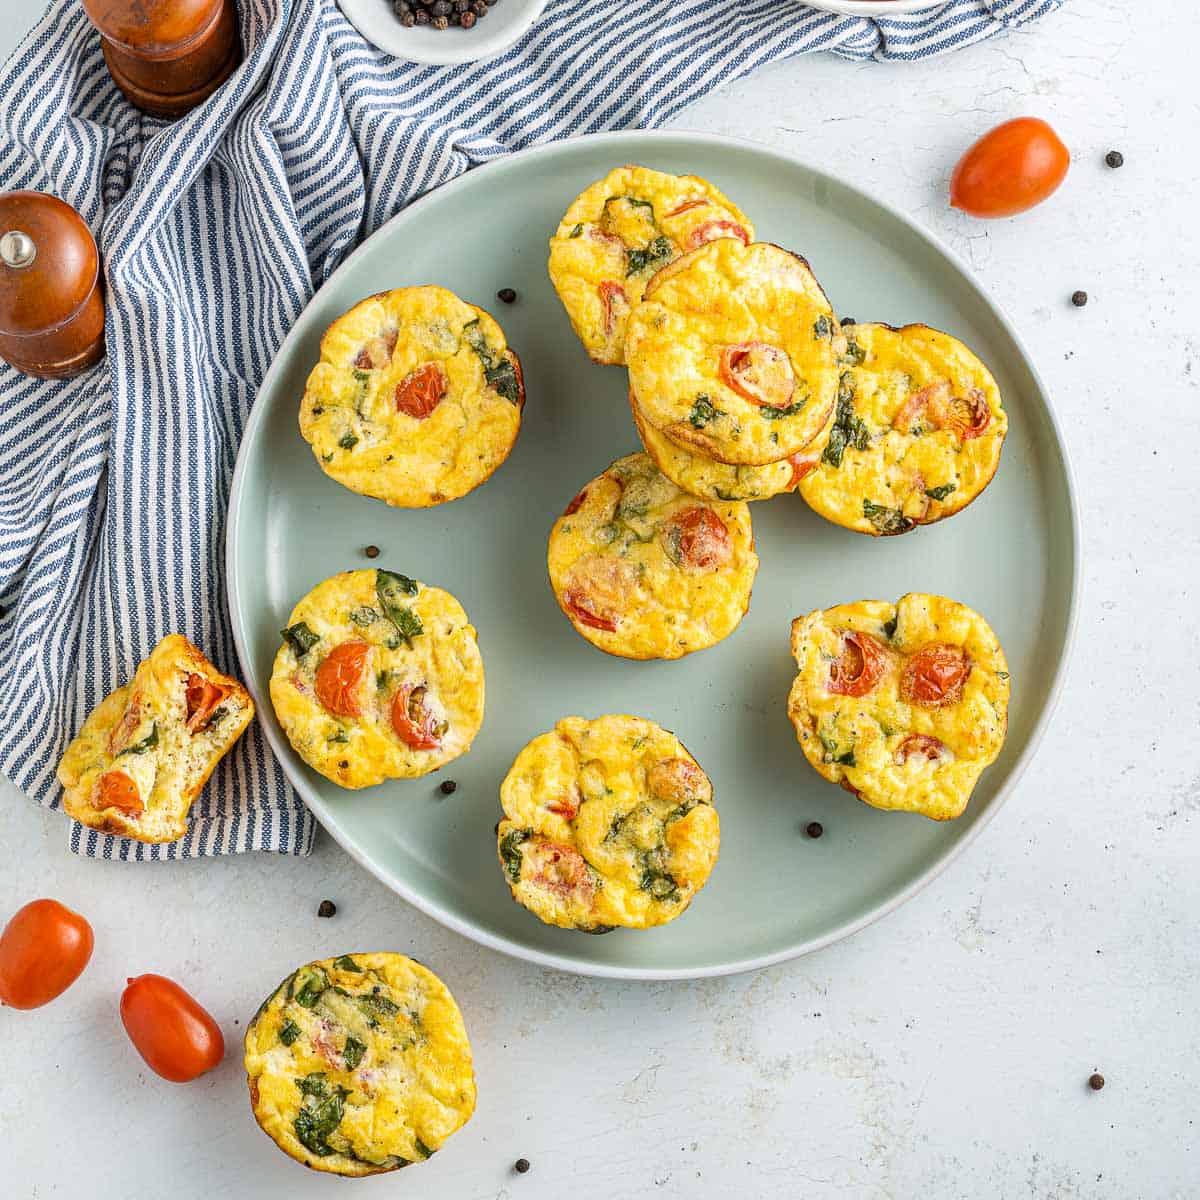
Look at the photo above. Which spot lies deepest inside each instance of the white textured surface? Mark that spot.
(943, 1052)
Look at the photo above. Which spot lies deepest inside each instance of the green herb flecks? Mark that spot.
(308, 986)
(348, 440)
(422, 1149)
(364, 616)
(320, 1115)
(353, 1052)
(659, 884)
(510, 851)
(822, 327)
(147, 743)
(504, 381)
(833, 754)
(300, 638)
(848, 428)
(289, 1031)
(217, 715)
(576, 232)
(855, 354)
(659, 251)
(886, 520)
(889, 628)
(341, 738)
(941, 491)
(346, 963)
(1002, 675)
(703, 411)
(774, 414)
(390, 587)
(362, 377)
(376, 1006)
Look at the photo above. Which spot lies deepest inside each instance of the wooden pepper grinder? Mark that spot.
(51, 311)
(167, 55)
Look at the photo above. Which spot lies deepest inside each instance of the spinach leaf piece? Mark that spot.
(353, 1052)
(639, 259)
(855, 354)
(363, 616)
(941, 491)
(308, 986)
(390, 587)
(346, 963)
(886, 520)
(510, 851)
(289, 1031)
(847, 759)
(502, 379)
(300, 638)
(321, 1115)
(773, 414)
(147, 743)
(848, 428)
(375, 1006)
(659, 884)
(822, 327)
(889, 628)
(361, 377)
(312, 1085)
(423, 1149)
(576, 232)
(217, 715)
(348, 440)
(703, 411)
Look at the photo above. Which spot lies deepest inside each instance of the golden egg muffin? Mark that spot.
(417, 398)
(700, 476)
(621, 230)
(360, 1064)
(643, 570)
(147, 749)
(917, 435)
(734, 353)
(903, 704)
(379, 677)
(606, 823)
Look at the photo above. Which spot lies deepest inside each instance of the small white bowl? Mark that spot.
(875, 8)
(491, 35)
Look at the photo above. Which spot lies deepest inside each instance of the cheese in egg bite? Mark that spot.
(700, 476)
(618, 233)
(417, 398)
(360, 1064)
(643, 570)
(378, 677)
(918, 430)
(143, 755)
(903, 704)
(734, 353)
(607, 823)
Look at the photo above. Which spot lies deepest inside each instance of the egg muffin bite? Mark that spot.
(617, 233)
(606, 823)
(903, 704)
(360, 1064)
(700, 476)
(147, 749)
(379, 677)
(643, 570)
(734, 352)
(417, 398)
(917, 435)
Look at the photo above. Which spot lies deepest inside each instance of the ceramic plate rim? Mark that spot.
(515, 949)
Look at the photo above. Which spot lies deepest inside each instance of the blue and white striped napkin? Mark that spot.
(215, 232)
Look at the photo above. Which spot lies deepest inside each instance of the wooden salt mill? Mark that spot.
(51, 311)
(167, 55)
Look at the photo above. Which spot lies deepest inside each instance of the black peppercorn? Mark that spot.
(408, 20)
(467, 20)
(1096, 1082)
(462, 6)
(372, 551)
(480, 8)
(814, 829)
(441, 8)
(422, 15)
(1079, 299)
(521, 1166)
(449, 787)
(1115, 159)
(507, 295)
(849, 321)
(326, 908)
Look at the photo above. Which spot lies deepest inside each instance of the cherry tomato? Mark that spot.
(414, 724)
(577, 606)
(935, 675)
(421, 392)
(176, 1037)
(920, 744)
(686, 206)
(709, 231)
(858, 669)
(338, 678)
(760, 373)
(560, 870)
(703, 540)
(575, 504)
(43, 950)
(612, 296)
(1012, 168)
(202, 698)
(115, 789)
(802, 463)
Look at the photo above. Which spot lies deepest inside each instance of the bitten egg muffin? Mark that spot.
(379, 677)
(360, 1064)
(147, 749)
(917, 435)
(903, 704)
(643, 570)
(734, 351)
(617, 233)
(417, 398)
(700, 476)
(606, 823)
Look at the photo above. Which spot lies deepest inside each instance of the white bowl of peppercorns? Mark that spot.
(442, 31)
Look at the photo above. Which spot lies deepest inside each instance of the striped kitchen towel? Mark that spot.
(215, 231)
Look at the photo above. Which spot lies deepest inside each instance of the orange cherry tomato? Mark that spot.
(1012, 168)
(577, 606)
(920, 744)
(176, 1037)
(703, 540)
(935, 675)
(414, 724)
(860, 666)
(760, 373)
(115, 789)
(202, 698)
(338, 678)
(43, 950)
(419, 393)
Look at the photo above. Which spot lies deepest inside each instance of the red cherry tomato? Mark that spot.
(921, 745)
(338, 678)
(1012, 168)
(615, 302)
(421, 392)
(577, 605)
(414, 724)
(117, 790)
(43, 950)
(860, 666)
(935, 675)
(760, 373)
(176, 1037)
(710, 231)
(701, 537)
(202, 698)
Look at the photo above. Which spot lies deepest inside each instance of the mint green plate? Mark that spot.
(1013, 555)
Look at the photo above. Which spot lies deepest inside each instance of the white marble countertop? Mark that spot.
(943, 1052)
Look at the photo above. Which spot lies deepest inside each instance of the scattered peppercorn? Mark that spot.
(372, 551)
(814, 829)
(467, 19)
(1079, 299)
(521, 1166)
(449, 787)
(507, 295)
(1096, 1082)
(326, 908)
(441, 14)
(1115, 159)
(849, 321)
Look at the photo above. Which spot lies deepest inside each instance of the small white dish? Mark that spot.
(875, 8)
(490, 36)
